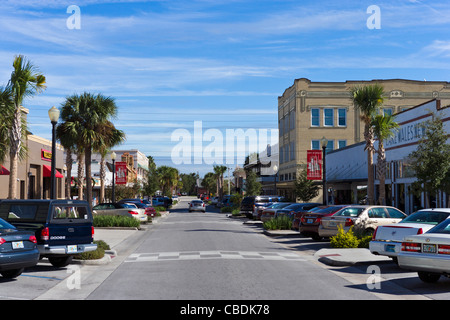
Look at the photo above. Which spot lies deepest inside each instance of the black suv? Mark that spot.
(250, 204)
(63, 228)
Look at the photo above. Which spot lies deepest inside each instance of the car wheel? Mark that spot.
(60, 262)
(428, 277)
(10, 274)
(316, 237)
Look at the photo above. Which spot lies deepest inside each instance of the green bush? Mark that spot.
(236, 212)
(115, 221)
(226, 209)
(278, 223)
(344, 239)
(96, 254)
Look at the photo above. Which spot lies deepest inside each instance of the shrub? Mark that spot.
(344, 239)
(278, 223)
(226, 209)
(96, 254)
(236, 212)
(115, 221)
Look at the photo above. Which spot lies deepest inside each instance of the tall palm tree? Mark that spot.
(86, 115)
(383, 128)
(6, 113)
(168, 178)
(25, 81)
(219, 170)
(368, 99)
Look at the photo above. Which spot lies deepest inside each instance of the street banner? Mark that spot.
(314, 167)
(121, 173)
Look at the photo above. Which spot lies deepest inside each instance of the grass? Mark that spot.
(278, 223)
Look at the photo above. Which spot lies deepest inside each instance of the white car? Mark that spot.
(428, 253)
(366, 218)
(387, 240)
(197, 205)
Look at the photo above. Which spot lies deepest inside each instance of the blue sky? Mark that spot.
(170, 63)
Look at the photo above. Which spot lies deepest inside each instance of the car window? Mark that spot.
(377, 213)
(443, 227)
(428, 217)
(22, 212)
(349, 212)
(394, 213)
(66, 212)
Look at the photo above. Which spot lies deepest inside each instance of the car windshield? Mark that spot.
(5, 225)
(427, 217)
(127, 205)
(197, 202)
(349, 212)
(443, 227)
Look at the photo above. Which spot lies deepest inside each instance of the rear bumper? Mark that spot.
(16, 260)
(385, 248)
(424, 262)
(45, 250)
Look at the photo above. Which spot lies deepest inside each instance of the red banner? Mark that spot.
(121, 173)
(314, 158)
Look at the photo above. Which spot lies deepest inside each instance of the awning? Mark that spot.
(48, 172)
(4, 171)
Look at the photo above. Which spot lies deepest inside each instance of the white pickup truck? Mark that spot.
(387, 240)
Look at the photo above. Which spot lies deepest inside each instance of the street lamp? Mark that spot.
(324, 143)
(275, 170)
(53, 114)
(113, 194)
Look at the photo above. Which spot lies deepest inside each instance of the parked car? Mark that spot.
(296, 210)
(18, 250)
(161, 202)
(121, 209)
(366, 218)
(271, 211)
(214, 200)
(250, 204)
(225, 202)
(387, 240)
(197, 205)
(62, 228)
(428, 253)
(310, 222)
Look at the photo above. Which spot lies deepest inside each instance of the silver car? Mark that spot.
(197, 205)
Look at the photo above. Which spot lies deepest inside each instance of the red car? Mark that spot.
(309, 224)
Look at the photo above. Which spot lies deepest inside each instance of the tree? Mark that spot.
(219, 171)
(368, 99)
(383, 128)
(152, 184)
(253, 186)
(26, 81)
(189, 182)
(209, 182)
(168, 179)
(6, 114)
(87, 119)
(305, 189)
(431, 159)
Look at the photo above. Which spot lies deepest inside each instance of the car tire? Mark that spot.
(10, 274)
(60, 262)
(428, 277)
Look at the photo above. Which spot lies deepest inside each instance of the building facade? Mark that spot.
(309, 111)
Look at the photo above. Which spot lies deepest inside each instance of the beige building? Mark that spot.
(308, 111)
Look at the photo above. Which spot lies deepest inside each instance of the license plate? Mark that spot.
(389, 248)
(309, 220)
(332, 224)
(429, 248)
(17, 245)
(71, 249)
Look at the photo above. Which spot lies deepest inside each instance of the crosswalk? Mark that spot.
(218, 254)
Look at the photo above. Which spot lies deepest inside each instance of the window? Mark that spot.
(328, 117)
(63, 212)
(286, 153)
(315, 117)
(387, 111)
(342, 144)
(377, 213)
(330, 146)
(292, 151)
(315, 144)
(292, 119)
(22, 212)
(342, 117)
(281, 127)
(281, 155)
(394, 213)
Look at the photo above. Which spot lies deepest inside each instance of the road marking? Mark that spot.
(203, 255)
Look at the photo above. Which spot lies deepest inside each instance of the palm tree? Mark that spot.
(86, 116)
(168, 178)
(368, 99)
(6, 112)
(383, 128)
(25, 81)
(219, 171)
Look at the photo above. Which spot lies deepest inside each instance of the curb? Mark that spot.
(109, 255)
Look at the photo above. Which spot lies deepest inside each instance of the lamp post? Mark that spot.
(275, 170)
(113, 193)
(324, 143)
(53, 114)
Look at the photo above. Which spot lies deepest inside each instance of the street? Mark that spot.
(208, 256)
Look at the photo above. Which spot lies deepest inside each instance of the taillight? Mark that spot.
(374, 234)
(348, 222)
(92, 231)
(443, 249)
(303, 220)
(33, 239)
(45, 234)
(132, 212)
(2, 241)
(411, 246)
(420, 231)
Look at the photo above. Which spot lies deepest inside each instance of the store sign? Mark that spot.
(314, 166)
(408, 133)
(121, 173)
(46, 155)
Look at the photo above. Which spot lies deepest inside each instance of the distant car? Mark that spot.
(250, 204)
(18, 250)
(197, 205)
(120, 209)
(310, 221)
(387, 240)
(428, 253)
(214, 200)
(365, 218)
(271, 211)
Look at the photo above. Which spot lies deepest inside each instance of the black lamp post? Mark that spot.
(324, 143)
(113, 193)
(53, 114)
